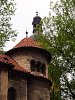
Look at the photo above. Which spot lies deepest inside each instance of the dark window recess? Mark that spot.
(38, 67)
(33, 65)
(11, 94)
(43, 69)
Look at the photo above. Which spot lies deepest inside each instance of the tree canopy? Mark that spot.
(7, 9)
(59, 40)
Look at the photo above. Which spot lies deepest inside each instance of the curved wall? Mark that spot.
(38, 89)
(24, 57)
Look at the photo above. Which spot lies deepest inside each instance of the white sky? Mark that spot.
(26, 10)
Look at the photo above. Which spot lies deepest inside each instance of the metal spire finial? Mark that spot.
(26, 33)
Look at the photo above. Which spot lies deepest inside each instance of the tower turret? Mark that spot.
(24, 69)
(37, 24)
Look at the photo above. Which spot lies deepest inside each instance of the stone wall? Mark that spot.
(38, 89)
(24, 57)
(3, 82)
(21, 88)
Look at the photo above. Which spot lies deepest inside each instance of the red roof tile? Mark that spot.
(27, 42)
(6, 59)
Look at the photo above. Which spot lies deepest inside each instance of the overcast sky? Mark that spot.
(26, 10)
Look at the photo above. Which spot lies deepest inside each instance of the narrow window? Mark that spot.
(11, 94)
(33, 65)
(38, 66)
(43, 69)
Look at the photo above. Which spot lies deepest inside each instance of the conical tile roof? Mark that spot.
(27, 42)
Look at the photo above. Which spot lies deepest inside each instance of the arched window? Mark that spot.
(33, 65)
(11, 94)
(43, 69)
(38, 66)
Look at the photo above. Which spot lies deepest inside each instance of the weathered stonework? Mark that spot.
(16, 85)
(23, 58)
(21, 88)
(38, 89)
(3, 82)
(24, 69)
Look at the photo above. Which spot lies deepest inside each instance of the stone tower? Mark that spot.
(24, 71)
(37, 24)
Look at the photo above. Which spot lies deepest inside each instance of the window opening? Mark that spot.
(33, 65)
(11, 94)
(43, 69)
(38, 66)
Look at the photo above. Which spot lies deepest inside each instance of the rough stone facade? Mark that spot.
(38, 89)
(20, 87)
(15, 85)
(24, 70)
(3, 82)
(24, 57)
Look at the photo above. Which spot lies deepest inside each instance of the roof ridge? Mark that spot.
(27, 42)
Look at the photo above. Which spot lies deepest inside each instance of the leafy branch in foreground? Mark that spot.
(7, 10)
(59, 40)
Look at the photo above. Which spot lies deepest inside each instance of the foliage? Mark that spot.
(54, 70)
(59, 40)
(7, 9)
